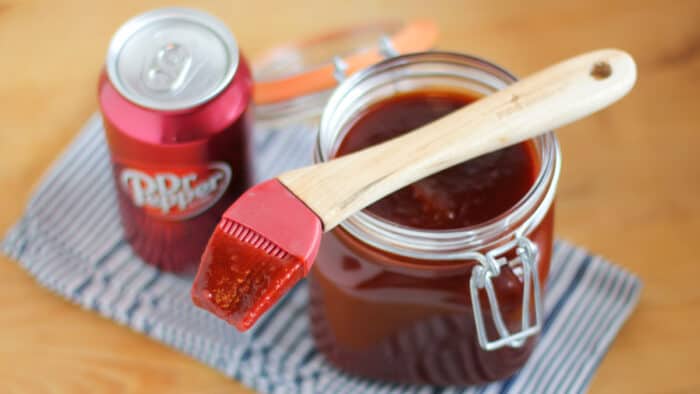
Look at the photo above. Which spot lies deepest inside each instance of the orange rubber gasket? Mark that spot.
(415, 36)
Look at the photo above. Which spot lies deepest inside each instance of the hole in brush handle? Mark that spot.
(601, 70)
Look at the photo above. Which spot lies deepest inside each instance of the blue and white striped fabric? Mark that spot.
(70, 239)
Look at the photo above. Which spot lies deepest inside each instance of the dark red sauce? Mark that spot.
(238, 281)
(407, 320)
(466, 194)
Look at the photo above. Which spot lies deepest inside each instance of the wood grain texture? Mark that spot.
(546, 100)
(634, 198)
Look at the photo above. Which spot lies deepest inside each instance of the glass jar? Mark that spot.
(447, 307)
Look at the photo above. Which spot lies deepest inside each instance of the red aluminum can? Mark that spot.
(174, 98)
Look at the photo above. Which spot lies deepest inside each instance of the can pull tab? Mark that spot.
(168, 69)
(488, 268)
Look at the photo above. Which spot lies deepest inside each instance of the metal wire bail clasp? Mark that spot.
(340, 66)
(488, 268)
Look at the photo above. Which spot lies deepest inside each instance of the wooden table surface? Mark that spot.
(630, 185)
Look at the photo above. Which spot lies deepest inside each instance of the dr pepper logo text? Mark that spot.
(176, 194)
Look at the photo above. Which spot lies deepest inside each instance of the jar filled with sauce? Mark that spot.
(440, 282)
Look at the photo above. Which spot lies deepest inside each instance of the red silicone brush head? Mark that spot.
(264, 244)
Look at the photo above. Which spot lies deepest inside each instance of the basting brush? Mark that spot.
(268, 239)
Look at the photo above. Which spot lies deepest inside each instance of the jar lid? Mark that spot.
(314, 65)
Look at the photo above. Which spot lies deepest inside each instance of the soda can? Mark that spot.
(174, 97)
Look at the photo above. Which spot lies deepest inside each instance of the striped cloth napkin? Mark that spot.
(70, 239)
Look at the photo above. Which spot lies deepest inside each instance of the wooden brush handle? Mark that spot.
(553, 97)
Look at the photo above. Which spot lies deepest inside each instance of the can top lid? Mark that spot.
(172, 58)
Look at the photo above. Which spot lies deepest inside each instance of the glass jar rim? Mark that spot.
(453, 244)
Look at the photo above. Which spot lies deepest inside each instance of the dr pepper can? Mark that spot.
(174, 98)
